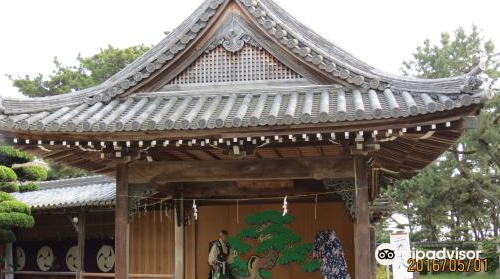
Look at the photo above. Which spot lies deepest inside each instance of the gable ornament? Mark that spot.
(234, 40)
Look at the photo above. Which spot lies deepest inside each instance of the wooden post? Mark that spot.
(373, 243)
(362, 247)
(121, 222)
(81, 243)
(179, 240)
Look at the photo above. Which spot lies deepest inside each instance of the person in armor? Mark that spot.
(220, 257)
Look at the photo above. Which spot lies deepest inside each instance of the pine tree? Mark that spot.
(277, 244)
(13, 170)
(89, 71)
(460, 191)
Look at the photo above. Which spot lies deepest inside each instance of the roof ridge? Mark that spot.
(75, 178)
(73, 186)
(75, 182)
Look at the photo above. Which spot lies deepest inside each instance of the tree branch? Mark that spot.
(466, 173)
(486, 146)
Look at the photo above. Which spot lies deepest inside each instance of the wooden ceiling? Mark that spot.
(397, 156)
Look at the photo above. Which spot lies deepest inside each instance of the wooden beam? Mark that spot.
(264, 185)
(362, 247)
(179, 241)
(237, 170)
(221, 190)
(121, 224)
(81, 243)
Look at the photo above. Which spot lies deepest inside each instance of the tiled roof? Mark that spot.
(239, 108)
(70, 193)
(308, 46)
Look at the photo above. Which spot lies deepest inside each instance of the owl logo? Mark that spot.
(45, 258)
(20, 258)
(106, 258)
(73, 259)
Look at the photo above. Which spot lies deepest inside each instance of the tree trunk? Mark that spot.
(410, 222)
(256, 263)
(494, 220)
(476, 237)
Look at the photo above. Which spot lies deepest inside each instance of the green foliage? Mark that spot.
(61, 171)
(9, 187)
(16, 220)
(10, 155)
(275, 240)
(265, 273)
(7, 174)
(382, 234)
(281, 238)
(89, 71)
(5, 197)
(13, 214)
(28, 187)
(14, 206)
(297, 254)
(456, 54)
(7, 236)
(382, 272)
(239, 267)
(312, 266)
(249, 232)
(31, 173)
(469, 171)
(239, 245)
(490, 252)
(269, 216)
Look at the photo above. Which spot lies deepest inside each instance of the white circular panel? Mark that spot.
(20, 258)
(45, 258)
(106, 258)
(73, 259)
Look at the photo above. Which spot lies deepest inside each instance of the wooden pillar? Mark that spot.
(373, 243)
(362, 247)
(179, 241)
(121, 222)
(81, 243)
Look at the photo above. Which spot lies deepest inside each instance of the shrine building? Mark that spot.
(234, 110)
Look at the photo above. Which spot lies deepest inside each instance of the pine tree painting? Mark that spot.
(276, 244)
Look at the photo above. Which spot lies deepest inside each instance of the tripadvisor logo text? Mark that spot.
(387, 254)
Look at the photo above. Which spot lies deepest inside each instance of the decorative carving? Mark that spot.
(20, 258)
(345, 189)
(73, 259)
(45, 258)
(106, 258)
(234, 40)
